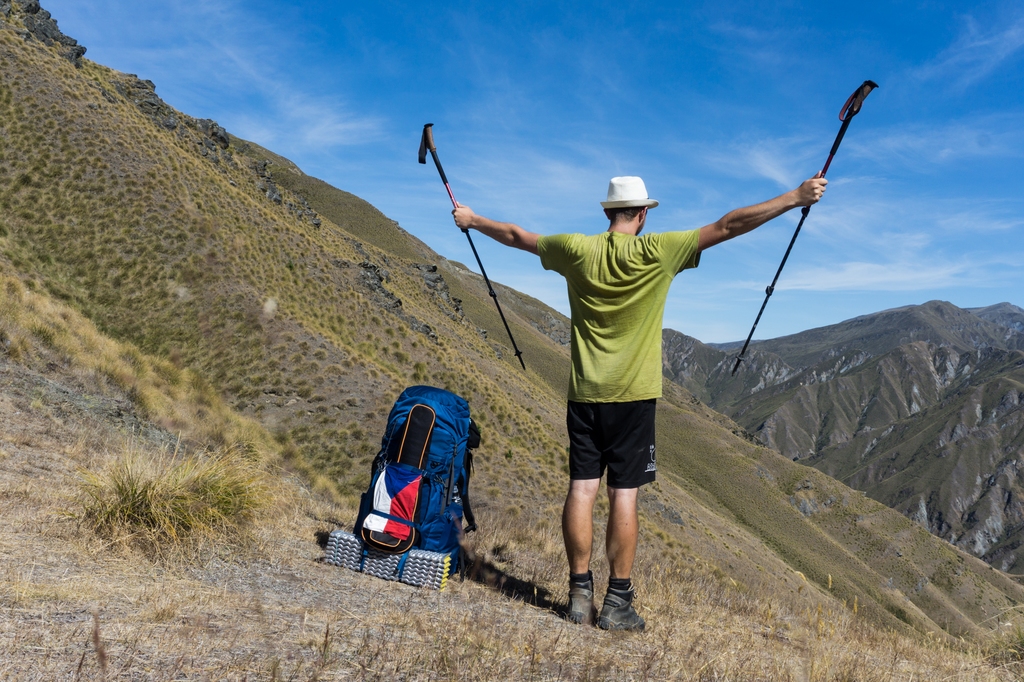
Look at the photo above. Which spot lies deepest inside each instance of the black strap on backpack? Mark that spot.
(471, 444)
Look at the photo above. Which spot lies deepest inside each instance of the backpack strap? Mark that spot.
(467, 511)
(400, 569)
(398, 519)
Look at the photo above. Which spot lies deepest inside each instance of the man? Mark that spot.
(617, 283)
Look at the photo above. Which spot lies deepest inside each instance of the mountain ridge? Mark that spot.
(866, 391)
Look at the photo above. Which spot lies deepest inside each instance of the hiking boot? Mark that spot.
(581, 603)
(618, 613)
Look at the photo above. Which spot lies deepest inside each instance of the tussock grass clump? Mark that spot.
(1006, 648)
(165, 500)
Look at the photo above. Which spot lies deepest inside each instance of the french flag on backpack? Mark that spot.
(396, 494)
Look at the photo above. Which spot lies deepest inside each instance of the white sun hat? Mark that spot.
(628, 191)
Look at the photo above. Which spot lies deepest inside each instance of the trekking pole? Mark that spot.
(427, 143)
(846, 114)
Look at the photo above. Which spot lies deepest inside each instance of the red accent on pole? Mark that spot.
(451, 196)
(825, 169)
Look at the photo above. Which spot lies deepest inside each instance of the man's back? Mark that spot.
(617, 286)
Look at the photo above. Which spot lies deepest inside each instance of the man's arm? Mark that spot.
(508, 234)
(743, 220)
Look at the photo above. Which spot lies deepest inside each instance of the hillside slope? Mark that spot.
(718, 598)
(164, 235)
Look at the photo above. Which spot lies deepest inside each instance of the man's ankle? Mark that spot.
(622, 587)
(581, 579)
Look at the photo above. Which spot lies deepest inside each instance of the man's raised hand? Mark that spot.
(809, 192)
(463, 216)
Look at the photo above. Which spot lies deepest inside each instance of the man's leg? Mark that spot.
(623, 531)
(631, 464)
(578, 533)
(578, 523)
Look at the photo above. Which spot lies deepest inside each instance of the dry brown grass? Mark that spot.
(152, 500)
(74, 606)
(280, 615)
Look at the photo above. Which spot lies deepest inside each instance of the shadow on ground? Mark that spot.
(479, 570)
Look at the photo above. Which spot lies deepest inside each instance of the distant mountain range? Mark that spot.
(921, 407)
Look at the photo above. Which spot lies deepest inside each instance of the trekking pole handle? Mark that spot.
(428, 134)
(427, 144)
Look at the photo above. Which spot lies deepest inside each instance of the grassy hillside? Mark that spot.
(720, 602)
(254, 308)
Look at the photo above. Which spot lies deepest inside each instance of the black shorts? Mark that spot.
(616, 436)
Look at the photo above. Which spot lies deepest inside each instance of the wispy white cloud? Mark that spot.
(976, 53)
(307, 124)
(975, 222)
(871, 240)
(218, 59)
(928, 147)
(300, 117)
(546, 191)
(767, 47)
(903, 275)
(784, 161)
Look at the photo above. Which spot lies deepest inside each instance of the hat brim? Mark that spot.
(630, 203)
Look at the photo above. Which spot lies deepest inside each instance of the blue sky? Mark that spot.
(716, 105)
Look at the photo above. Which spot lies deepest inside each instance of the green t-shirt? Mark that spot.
(617, 288)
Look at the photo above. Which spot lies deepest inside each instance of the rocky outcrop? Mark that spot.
(211, 138)
(373, 277)
(142, 93)
(265, 182)
(41, 26)
(213, 132)
(556, 329)
(449, 305)
(299, 208)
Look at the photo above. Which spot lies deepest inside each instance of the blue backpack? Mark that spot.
(419, 488)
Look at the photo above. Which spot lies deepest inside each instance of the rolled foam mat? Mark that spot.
(421, 568)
